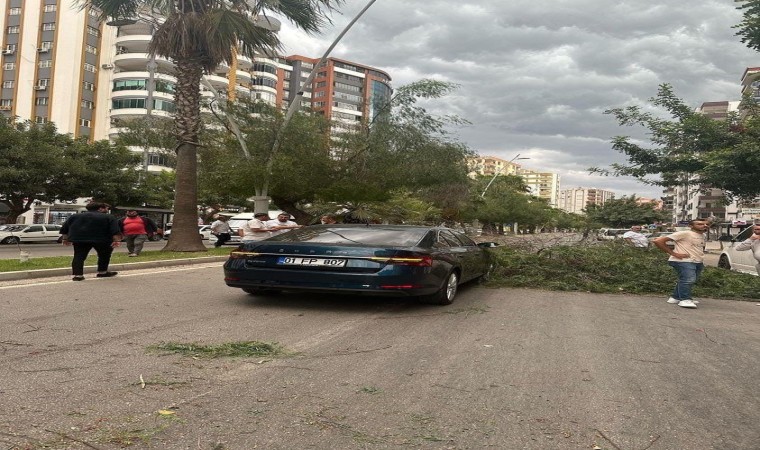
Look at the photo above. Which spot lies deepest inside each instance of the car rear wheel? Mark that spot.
(11, 240)
(445, 296)
(723, 262)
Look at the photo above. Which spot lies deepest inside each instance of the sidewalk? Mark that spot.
(44, 273)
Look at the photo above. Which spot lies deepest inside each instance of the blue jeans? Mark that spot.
(688, 273)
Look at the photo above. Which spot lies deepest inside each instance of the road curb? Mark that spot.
(43, 273)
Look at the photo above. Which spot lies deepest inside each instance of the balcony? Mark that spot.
(138, 61)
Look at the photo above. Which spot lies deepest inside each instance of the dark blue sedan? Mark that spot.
(400, 260)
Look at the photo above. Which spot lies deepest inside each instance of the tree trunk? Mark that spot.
(187, 120)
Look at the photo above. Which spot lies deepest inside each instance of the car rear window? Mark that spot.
(392, 237)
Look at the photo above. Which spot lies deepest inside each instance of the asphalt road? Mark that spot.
(500, 368)
(43, 249)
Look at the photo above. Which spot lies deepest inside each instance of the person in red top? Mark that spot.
(136, 230)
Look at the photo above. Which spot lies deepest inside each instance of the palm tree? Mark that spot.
(198, 35)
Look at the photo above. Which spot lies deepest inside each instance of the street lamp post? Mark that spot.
(499, 173)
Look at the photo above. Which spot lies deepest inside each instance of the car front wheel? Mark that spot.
(723, 262)
(445, 296)
(11, 240)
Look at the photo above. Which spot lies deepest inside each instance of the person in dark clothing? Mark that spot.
(96, 229)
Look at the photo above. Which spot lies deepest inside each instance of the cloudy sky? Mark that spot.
(536, 76)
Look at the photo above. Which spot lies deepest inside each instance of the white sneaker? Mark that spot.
(673, 301)
(687, 304)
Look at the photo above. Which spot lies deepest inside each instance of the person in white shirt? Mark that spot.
(635, 238)
(282, 224)
(753, 243)
(256, 229)
(221, 229)
(686, 259)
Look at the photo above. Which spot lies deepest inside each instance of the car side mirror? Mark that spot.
(487, 244)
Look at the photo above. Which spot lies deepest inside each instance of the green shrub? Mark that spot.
(611, 268)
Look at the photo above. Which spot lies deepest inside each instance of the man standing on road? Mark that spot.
(136, 230)
(257, 228)
(753, 243)
(221, 229)
(282, 224)
(687, 260)
(635, 238)
(92, 229)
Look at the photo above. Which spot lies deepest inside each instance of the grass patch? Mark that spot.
(57, 262)
(611, 268)
(245, 349)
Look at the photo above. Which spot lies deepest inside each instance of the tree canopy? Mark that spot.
(690, 148)
(625, 212)
(38, 163)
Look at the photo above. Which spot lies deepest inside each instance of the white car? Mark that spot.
(203, 230)
(732, 259)
(24, 234)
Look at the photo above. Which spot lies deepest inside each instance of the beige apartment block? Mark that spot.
(576, 200)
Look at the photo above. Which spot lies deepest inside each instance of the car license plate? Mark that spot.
(300, 261)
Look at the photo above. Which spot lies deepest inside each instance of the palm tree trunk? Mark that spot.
(187, 120)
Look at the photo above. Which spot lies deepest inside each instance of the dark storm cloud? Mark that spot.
(535, 77)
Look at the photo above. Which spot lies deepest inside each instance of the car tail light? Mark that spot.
(422, 261)
(238, 254)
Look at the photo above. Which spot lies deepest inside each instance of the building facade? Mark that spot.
(543, 185)
(576, 200)
(62, 65)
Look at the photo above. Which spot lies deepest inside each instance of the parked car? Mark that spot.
(204, 230)
(732, 259)
(399, 260)
(606, 234)
(38, 232)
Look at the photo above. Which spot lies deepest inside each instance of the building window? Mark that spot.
(92, 31)
(41, 101)
(8, 84)
(84, 123)
(320, 93)
(347, 87)
(43, 82)
(9, 66)
(47, 45)
(11, 48)
(87, 104)
(261, 67)
(14, 12)
(40, 119)
(91, 49)
(50, 26)
(49, 8)
(13, 30)
(6, 103)
(89, 67)
(88, 86)
(45, 64)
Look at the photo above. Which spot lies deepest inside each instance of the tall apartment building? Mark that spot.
(543, 185)
(491, 165)
(576, 200)
(61, 64)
